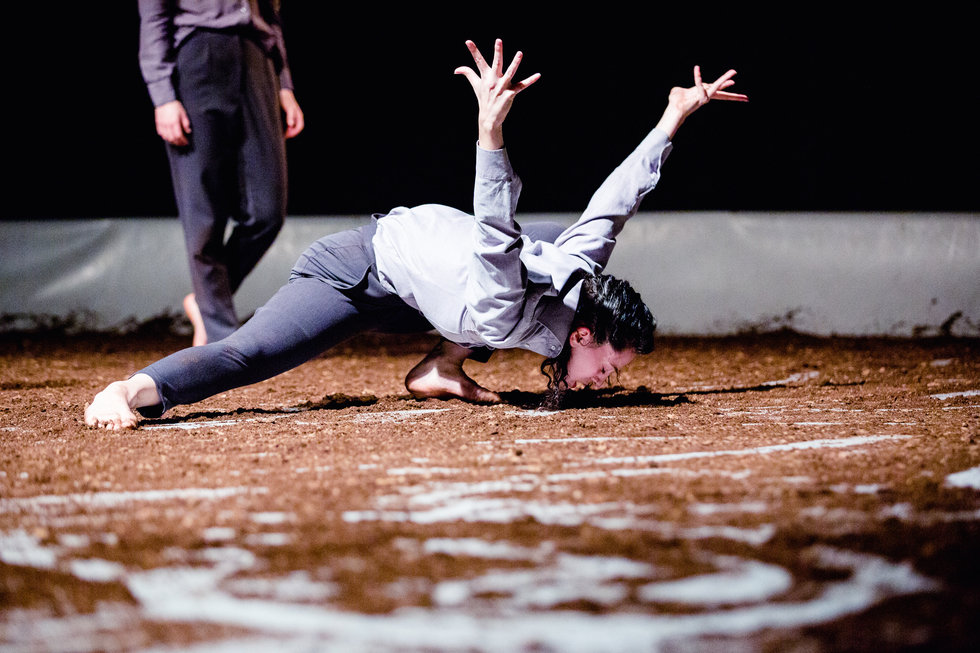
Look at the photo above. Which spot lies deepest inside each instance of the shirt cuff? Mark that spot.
(285, 79)
(493, 164)
(161, 92)
(657, 141)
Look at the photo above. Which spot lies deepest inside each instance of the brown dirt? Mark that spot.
(803, 482)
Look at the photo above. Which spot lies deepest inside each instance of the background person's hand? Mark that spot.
(172, 123)
(295, 121)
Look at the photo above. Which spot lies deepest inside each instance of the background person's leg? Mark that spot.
(205, 173)
(262, 167)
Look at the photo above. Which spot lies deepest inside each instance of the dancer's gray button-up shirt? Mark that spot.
(480, 282)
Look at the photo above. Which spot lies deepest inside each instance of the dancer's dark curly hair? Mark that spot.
(615, 313)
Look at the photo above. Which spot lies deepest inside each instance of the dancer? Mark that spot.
(479, 280)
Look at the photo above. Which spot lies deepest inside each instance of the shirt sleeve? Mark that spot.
(163, 24)
(156, 49)
(272, 19)
(593, 236)
(497, 280)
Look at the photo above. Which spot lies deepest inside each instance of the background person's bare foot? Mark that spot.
(110, 409)
(440, 375)
(194, 315)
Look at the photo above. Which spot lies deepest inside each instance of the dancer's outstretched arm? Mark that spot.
(618, 198)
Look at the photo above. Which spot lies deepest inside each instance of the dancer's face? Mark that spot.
(590, 363)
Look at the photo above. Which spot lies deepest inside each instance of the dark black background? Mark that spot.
(847, 113)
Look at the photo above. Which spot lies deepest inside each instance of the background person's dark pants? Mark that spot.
(333, 294)
(234, 167)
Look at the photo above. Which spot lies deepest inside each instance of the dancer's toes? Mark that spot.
(110, 410)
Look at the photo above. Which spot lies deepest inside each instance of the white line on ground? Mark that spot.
(950, 395)
(829, 443)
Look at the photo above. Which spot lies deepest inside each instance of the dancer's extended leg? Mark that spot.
(304, 318)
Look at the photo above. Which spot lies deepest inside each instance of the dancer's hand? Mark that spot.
(495, 90)
(682, 102)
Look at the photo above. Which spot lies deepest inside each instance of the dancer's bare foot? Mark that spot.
(440, 375)
(194, 315)
(113, 407)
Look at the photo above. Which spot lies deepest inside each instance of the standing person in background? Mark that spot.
(218, 76)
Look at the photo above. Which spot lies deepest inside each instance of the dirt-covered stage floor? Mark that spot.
(765, 493)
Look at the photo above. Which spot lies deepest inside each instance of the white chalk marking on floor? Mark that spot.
(270, 608)
(292, 628)
(798, 377)
(969, 478)
(576, 476)
(396, 415)
(268, 539)
(567, 578)
(834, 443)
(739, 581)
(45, 503)
(424, 471)
(903, 511)
(295, 586)
(608, 516)
(218, 534)
(816, 423)
(23, 550)
(950, 395)
(655, 471)
(865, 488)
(270, 517)
(781, 411)
(756, 536)
(501, 511)
(476, 548)
(110, 626)
(442, 492)
(190, 426)
(73, 540)
(640, 438)
(97, 571)
(727, 508)
(783, 423)
(797, 480)
(531, 413)
(761, 410)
